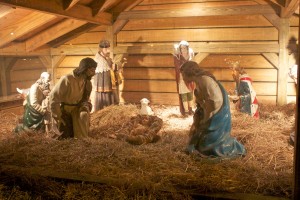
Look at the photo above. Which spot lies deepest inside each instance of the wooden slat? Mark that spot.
(263, 75)
(23, 26)
(19, 50)
(52, 33)
(151, 73)
(204, 48)
(217, 34)
(90, 50)
(148, 85)
(198, 11)
(198, 22)
(155, 98)
(88, 38)
(226, 61)
(31, 75)
(78, 12)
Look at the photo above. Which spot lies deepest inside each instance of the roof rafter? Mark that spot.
(69, 4)
(21, 27)
(78, 12)
(52, 33)
(4, 10)
(119, 24)
(290, 7)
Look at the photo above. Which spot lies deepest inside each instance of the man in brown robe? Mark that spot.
(69, 100)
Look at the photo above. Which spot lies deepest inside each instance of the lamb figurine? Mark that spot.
(145, 109)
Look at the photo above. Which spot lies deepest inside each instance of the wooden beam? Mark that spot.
(226, 48)
(71, 35)
(119, 24)
(296, 169)
(199, 57)
(289, 9)
(19, 49)
(78, 11)
(4, 10)
(52, 33)
(273, 19)
(56, 61)
(108, 4)
(96, 5)
(208, 11)
(283, 62)
(67, 4)
(272, 58)
(23, 26)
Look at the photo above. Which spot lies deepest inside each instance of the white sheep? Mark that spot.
(145, 109)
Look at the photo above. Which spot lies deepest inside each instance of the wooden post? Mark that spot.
(3, 77)
(296, 181)
(6, 65)
(284, 30)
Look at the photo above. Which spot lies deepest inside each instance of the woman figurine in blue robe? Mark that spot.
(210, 132)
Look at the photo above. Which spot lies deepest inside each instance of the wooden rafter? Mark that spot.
(290, 8)
(25, 25)
(69, 4)
(96, 5)
(4, 10)
(78, 11)
(119, 24)
(71, 35)
(52, 33)
(209, 11)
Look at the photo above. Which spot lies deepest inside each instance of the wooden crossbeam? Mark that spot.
(205, 11)
(67, 4)
(78, 11)
(290, 8)
(52, 33)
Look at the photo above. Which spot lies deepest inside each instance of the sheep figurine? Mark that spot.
(145, 109)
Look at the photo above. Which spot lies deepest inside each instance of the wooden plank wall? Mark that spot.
(152, 75)
(24, 73)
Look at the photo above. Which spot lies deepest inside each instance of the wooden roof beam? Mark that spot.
(119, 23)
(67, 4)
(52, 33)
(71, 35)
(21, 27)
(96, 5)
(78, 11)
(290, 8)
(4, 10)
(208, 11)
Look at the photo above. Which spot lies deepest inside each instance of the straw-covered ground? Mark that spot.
(106, 166)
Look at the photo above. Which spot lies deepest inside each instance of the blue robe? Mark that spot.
(213, 138)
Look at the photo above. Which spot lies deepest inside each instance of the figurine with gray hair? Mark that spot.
(36, 111)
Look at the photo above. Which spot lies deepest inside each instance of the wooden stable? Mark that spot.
(53, 36)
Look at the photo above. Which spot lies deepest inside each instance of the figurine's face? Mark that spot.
(184, 50)
(90, 72)
(105, 51)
